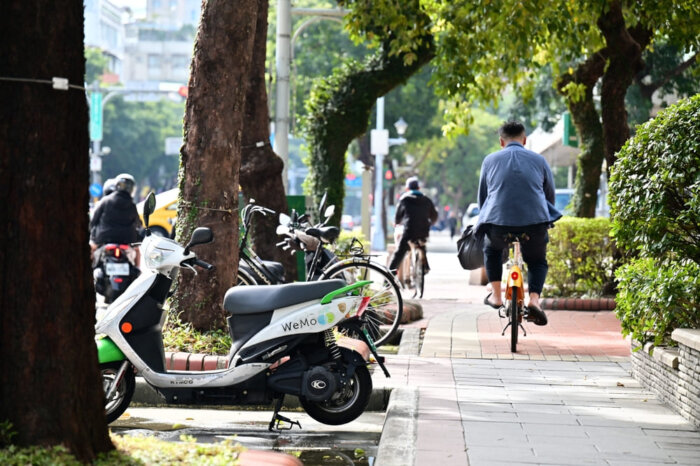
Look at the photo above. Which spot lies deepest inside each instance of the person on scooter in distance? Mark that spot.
(416, 213)
(115, 219)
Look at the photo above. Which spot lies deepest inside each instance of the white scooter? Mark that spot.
(283, 342)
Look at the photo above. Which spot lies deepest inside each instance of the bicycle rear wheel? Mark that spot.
(514, 319)
(383, 315)
(418, 273)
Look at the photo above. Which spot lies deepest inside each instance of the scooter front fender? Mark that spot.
(108, 351)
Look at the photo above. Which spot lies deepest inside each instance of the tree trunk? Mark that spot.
(344, 114)
(625, 61)
(211, 155)
(261, 168)
(50, 388)
(590, 131)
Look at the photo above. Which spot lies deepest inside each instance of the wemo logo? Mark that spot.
(323, 318)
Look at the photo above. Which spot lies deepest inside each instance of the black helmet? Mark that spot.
(109, 187)
(125, 182)
(412, 183)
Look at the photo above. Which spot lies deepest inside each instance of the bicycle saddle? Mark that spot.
(328, 234)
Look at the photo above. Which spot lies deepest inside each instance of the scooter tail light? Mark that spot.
(117, 252)
(514, 275)
(363, 305)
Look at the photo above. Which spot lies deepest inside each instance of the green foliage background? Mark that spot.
(135, 133)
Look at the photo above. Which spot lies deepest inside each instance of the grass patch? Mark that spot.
(179, 336)
(131, 450)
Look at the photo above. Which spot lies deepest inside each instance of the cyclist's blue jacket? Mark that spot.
(516, 188)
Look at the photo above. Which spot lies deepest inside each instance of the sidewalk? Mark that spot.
(566, 397)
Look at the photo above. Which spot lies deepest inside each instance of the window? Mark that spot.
(181, 62)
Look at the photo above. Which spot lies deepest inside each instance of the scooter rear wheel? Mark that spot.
(346, 404)
(117, 404)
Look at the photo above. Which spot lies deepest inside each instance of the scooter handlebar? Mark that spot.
(204, 265)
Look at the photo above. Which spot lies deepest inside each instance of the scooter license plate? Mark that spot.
(117, 269)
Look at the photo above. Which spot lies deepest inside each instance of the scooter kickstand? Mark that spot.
(277, 418)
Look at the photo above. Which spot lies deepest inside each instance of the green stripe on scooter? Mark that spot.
(107, 351)
(344, 290)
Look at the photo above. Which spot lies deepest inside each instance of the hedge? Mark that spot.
(655, 207)
(580, 257)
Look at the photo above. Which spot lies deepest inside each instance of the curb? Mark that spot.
(410, 341)
(400, 429)
(578, 304)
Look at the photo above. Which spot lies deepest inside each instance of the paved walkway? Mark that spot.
(566, 397)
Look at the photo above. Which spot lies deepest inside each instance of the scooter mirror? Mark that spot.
(285, 220)
(329, 212)
(149, 207)
(200, 235)
(282, 229)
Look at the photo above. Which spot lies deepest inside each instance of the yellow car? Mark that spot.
(162, 221)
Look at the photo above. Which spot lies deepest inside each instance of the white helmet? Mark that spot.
(125, 182)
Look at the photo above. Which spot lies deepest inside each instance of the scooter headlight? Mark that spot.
(154, 258)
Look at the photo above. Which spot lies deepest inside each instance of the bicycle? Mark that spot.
(411, 271)
(514, 306)
(385, 308)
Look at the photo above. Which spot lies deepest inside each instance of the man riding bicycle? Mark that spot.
(516, 199)
(416, 213)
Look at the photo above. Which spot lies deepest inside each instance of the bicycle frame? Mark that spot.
(515, 276)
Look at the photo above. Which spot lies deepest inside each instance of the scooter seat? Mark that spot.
(242, 300)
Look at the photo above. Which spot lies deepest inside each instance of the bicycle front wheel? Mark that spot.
(514, 320)
(385, 308)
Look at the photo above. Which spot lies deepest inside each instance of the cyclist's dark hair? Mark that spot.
(511, 130)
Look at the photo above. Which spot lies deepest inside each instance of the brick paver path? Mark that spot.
(569, 335)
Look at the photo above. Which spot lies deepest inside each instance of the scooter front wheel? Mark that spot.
(346, 404)
(120, 399)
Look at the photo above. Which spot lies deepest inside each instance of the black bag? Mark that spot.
(470, 249)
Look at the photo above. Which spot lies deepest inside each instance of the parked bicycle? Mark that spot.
(386, 304)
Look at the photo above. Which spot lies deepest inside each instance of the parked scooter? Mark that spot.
(283, 341)
(114, 270)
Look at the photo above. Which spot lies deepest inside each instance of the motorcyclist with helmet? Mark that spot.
(115, 219)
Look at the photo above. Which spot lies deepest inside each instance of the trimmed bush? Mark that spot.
(655, 207)
(580, 257)
(654, 299)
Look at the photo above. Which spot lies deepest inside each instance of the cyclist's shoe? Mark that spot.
(490, 304)
(536, 315)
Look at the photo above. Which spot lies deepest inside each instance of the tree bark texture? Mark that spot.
(590, 130)
(345, 115)
(261, 168)
(50, 388)
(210, 157)
(624, 62)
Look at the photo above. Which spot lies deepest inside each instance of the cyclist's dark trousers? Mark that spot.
(534, 252)
(401, 251)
